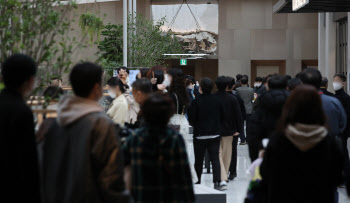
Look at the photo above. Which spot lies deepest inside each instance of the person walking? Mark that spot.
(206, 116)
(233, 165)
(157, 165)
(19, 162)
(300, 152)
(247, 94)
(178, 93)
(82, 160)
(267, 111)
(232, 125)
(118, 110)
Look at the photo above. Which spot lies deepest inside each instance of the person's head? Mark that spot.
(141, 89)
(230, 83)
(298, 75)
(311, 76)
(237, 85)
(293, 83)
(244, 81)
(303, 106)
(324, 83)
(239, 77)
(143, 73)
(190, 81)
(86, 80)
(221, 83)
(288, 77)
(277, 82)
(157, 110)
(258, 81)
(116, 87)
(158, 68)
(123, 70)
(56, 82)
(53, 92)
(18, 73)
(339, 81)
(206, 86)
(177, 84)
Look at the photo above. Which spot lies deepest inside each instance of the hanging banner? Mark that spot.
(132, 76)
(298, 4)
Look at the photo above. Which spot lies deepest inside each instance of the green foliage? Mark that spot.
(39, 29)
(147, 44)
(92, 25)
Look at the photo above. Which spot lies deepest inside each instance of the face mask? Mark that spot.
(337, 86)
(166, 81)
(112, 94)
(257, 84)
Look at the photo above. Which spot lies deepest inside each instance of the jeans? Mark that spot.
(213, 146)
(233, 165)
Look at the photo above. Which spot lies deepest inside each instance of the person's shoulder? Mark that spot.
(330, 99)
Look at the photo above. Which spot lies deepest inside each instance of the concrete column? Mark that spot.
(321, 43)
(330, 48)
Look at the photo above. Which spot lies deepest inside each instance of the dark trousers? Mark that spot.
(254, 147)
(242, 135)
(213, 146)
(233, 165)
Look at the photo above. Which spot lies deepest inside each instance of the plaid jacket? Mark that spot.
(160, 167)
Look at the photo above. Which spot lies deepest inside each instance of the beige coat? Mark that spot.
(118, 111)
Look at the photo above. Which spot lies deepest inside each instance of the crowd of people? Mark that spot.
(137, 146)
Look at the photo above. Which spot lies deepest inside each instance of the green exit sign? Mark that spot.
(183, 62)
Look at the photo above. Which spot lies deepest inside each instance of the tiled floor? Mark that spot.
(236, 190)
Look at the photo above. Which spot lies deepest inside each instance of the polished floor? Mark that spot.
(236, 190)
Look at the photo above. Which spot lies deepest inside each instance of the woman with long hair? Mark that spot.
(178, 92)
(302, 162)
(157, 75)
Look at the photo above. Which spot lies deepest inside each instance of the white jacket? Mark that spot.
(118, 111)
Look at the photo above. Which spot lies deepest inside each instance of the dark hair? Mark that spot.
(124, 68)
(246, 76)
(154, 69)
(311, 76)
(288, 77)
(341, 76)
(230, 82)
(293, 83)
(221, 83)
(177, 85)
(237, 85)
(277, 82)
(206, 85)
(298, 75)
(144, 72)
(159, 75)
(303, 106)
(324, 82)
(17, 69)
(84, 76)
(239, 77)
(143, 85)
(114, 82)
(53, 92)
(258, 79)
(191, 78)
(244, 80)
(157, 110)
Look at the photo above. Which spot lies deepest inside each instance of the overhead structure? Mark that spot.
(312, 6)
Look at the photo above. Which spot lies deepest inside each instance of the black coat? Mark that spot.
(193, 93)
(344, 99)
(206, 115)
(325, 92)
(291, 176)
(232, 117)
(19, 162)
(266, 113)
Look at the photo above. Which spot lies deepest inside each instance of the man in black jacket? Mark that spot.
(339, 83)
(206, 116)
(232, 125)
(233, 164)
(19, 163)
(267, 111)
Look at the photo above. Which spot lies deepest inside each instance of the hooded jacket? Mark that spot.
(302, 164)
(82, 160)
